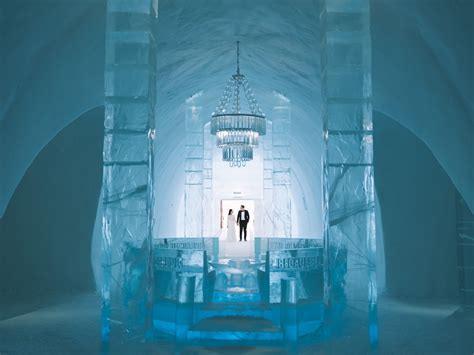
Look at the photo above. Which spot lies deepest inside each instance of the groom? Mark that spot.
(242, 219)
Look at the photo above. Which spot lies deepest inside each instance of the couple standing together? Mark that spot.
(243, 219)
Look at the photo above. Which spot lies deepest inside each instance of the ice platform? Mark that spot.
(238, 295)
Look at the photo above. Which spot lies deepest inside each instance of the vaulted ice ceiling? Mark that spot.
(53, 55)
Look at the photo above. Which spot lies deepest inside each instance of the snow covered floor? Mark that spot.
(407, 327)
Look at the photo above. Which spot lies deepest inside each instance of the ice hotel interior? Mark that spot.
(237, 177)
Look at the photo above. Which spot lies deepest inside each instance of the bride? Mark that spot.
(231, 237)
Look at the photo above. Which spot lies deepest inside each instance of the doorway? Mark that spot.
(226, 205)
(237, 249)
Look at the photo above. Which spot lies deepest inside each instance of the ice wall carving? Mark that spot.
(130, 90)
(348, 165)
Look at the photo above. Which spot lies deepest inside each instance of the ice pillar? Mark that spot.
(281, 198)
(130, 88)
(207, 181)
(268, 181)
(348, 164)
(193, 165)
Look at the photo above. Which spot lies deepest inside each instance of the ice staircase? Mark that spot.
(236, 281)
(236, 313)
(236, 328)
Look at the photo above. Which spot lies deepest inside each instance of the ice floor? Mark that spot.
(407, 327)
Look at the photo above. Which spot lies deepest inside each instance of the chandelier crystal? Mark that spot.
(238, 126)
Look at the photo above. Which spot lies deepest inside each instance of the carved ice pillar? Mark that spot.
(207, 181)
(193, 174)
(130, 87)
(267, 142)
(281, 168)
(348, 166)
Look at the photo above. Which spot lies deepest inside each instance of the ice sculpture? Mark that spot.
(348, 167)
(130, 90)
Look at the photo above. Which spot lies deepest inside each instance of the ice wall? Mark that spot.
(423, 78)
(417, 202)
(39, 261)
(52, 70)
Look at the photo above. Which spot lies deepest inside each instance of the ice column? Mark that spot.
(193, 169)
(130, 87)
(209, 141)
(267, 143)
(348, 165)
(280, 118)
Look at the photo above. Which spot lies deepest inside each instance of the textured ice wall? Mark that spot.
(418, 212)
(52, 70)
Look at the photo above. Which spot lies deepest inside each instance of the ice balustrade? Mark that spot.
(262, 245)
(171, 263)
(298, 258)
(209, 244)
(349, 240)
(175, 261)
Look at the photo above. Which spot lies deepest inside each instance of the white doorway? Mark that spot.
(226, 205)
(237, 249)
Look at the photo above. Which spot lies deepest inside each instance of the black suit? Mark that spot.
(243, 221)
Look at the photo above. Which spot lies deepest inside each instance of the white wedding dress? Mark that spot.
(231, 236)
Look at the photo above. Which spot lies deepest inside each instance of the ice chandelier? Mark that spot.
(237, 132)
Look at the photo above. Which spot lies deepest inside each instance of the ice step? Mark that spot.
(235, 309)
(236, 328)
(252, 296)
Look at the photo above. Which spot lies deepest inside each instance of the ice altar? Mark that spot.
(291, 287)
